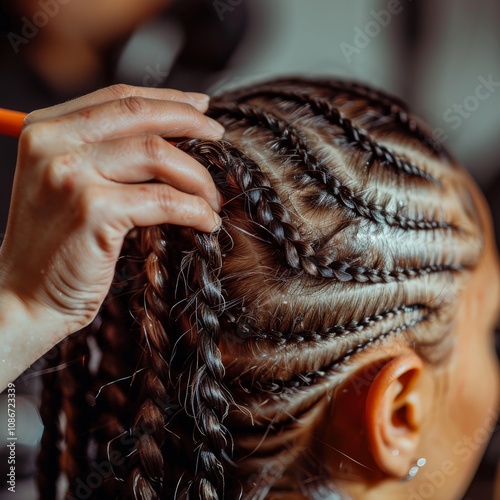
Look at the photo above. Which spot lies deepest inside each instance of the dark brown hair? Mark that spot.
(346, 227)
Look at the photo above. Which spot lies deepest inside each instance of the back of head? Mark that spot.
(346, 230)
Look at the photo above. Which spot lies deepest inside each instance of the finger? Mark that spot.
(116, 92)
(141, 205)
(129, 117)
(149, 157)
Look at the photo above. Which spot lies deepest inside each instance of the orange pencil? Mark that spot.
(11, 122)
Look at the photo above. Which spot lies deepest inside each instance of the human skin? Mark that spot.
(83, 180)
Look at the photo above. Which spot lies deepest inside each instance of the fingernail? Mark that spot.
(218, 222)
(198, 97)
(216, 126)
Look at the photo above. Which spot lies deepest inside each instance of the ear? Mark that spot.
(394, 408)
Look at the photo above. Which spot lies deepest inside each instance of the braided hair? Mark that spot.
(346, 227)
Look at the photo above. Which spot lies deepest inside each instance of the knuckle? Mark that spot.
(202, 207)
(155, 148)
(165, 198)
(90, 204)
(196, 210)
(30, 118)
(190, 114)
(52, 174)
(175, 95)
(59, 174)
(121, 91)
(200, 211)
(135, 105)
(91, 209)
(33, 138)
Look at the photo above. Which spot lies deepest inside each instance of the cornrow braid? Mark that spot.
(313, 168)
(293, 336)
(209, 399)
(397, 110)
(315, 376)
(146, 467)
(389, 105)
(266, 207)
(270, 213)
(353, 133)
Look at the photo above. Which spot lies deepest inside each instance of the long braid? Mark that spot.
(146, 469)
(75, 355)
(50, 408)
(312, 167)
(113, 365)
(209, 400)
(111, 390)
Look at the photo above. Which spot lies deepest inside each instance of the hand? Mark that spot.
(82, 183)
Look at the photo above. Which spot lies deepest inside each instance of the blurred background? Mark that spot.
(443, 58)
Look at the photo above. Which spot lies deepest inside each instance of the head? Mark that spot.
(337, 329)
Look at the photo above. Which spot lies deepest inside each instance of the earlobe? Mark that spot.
(394, 414)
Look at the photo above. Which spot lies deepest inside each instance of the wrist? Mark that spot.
(12, 310)
(24, 336)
